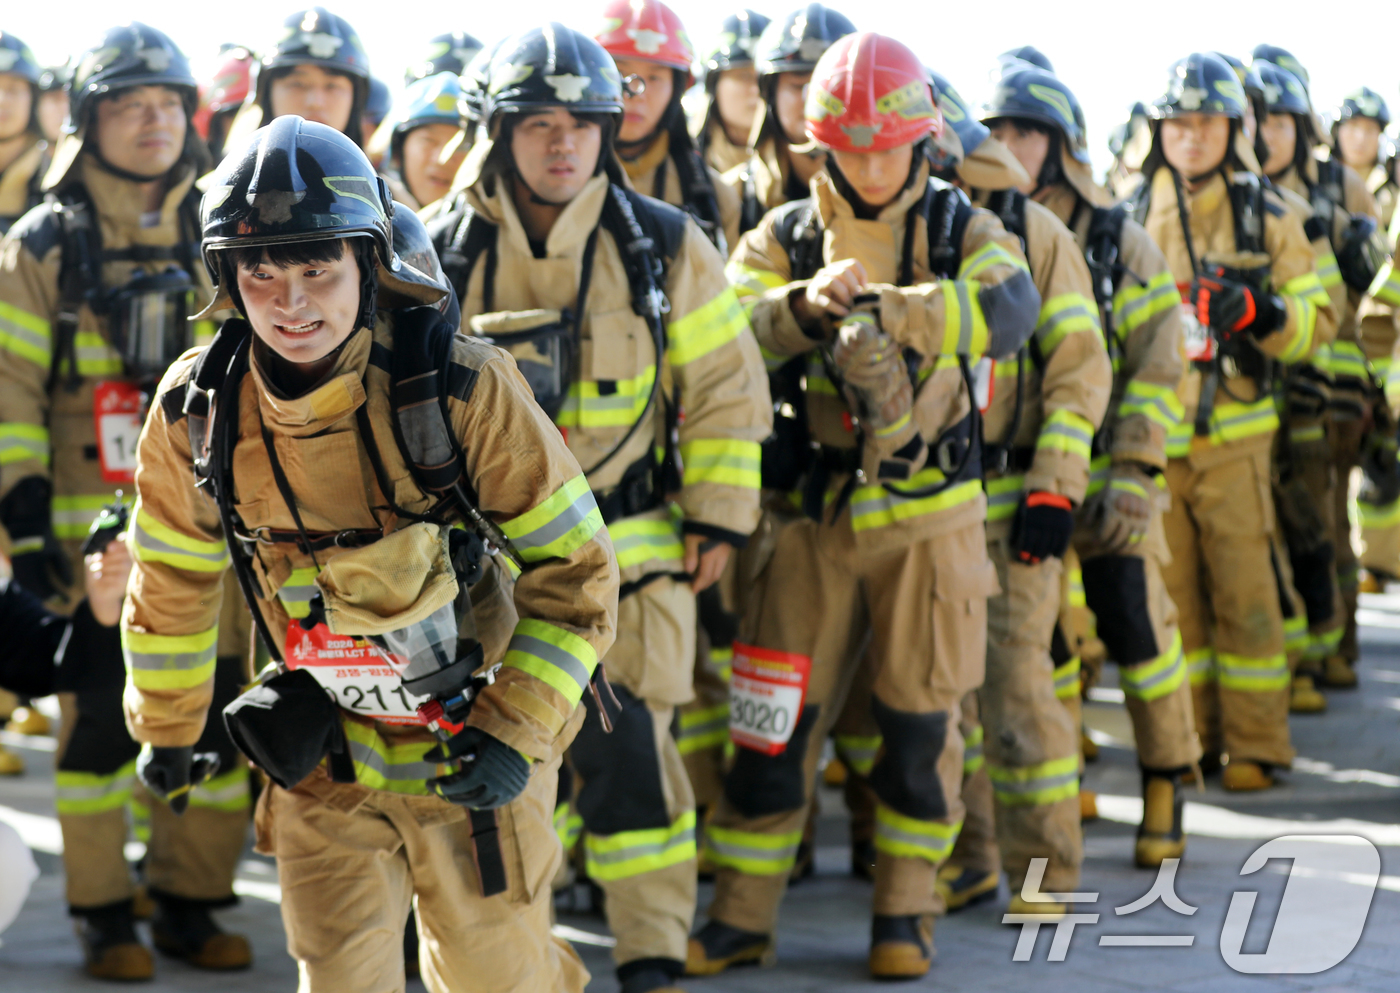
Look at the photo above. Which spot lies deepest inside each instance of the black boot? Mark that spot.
(111, 949)
(183, 929)
(650, 976)
(717, 947)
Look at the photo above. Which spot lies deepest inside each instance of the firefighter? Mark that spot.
(869, 548)
(1251, 290)
(224, 96)
(732, 97)
(546, 254)
(23, 150)
(1118, 532)
(412, 143)
(96, 288)
(451, 52)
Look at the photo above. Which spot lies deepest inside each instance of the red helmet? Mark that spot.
(870, 93)
(227, 90)
(646, 29)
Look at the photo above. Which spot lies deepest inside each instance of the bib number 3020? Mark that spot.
(767, 691)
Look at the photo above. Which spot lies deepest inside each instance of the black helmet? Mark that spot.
(1283, 58)
(552, 66)
(1019, 58)
(738, 39)
(449, 52)
(55, 77)
(378, 102)
(1037, 95)
(17, 60)
(130, 55)
(414, 247)
(1284, 93)
(1363, 102)
(970, 131)
(298, 181)
(1201, 83)
(319, 38)
(475, 79)
(795, 43)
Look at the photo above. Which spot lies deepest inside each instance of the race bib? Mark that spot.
(357, 675)
(119, 409)
(1195, 336)
(984, 380)
(766, 693)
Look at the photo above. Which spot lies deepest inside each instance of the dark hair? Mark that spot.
(289, 255)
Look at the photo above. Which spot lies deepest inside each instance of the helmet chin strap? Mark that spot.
(127, 174)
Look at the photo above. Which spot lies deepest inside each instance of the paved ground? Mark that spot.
(1346, 781)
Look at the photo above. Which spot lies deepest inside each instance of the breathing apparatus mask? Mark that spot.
(544, 346)
(148, 320)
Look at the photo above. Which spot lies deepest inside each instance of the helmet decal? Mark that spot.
(568, 88)
(821, 103)
(1055, 99)
(648, 42)
(861, 135)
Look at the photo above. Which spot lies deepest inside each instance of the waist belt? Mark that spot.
(634, 494)
(1010, 460)
(317, 541)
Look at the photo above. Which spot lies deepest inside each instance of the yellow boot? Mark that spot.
(834, 775)
(1337, 673)
(1159, 836)
(1088, 805)
(10, 763)
(1242, 775)
(111, 948)
(1305, 698)
(1049, 909)
(961, 887)
(717, 947)
(1088, 748)
(901, 947)
(27, 720)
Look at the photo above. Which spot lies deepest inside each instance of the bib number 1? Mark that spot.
(767, 690)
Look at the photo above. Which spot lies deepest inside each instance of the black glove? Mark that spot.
(1043, 526)
(36, 556)
(170, 773)
(1232, 308)
(491, 774)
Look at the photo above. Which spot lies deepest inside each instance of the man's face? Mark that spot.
(313, 93)
(556, 153)
(1029, 145)
(53, 111)
(1194, 144)
(1280, 133)
(736, 96)
(877, 177)
(642, 113)
(1359, 139)
(789, 97)
(16, 99)
(427, 177)
(303, 313)
(141, 129)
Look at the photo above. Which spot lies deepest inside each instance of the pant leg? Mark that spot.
(702, 725)
(806, 600)
(1305, 501)
(858, 742)
(976, 847)
(925, 660)
(1185, 579)
(1346, 450)
(1234, 510)
(1380, 537)
(1032, 746)
(634, 796)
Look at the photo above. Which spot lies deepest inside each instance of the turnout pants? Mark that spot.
(923, 609)
(976, 847)
(1224, 581)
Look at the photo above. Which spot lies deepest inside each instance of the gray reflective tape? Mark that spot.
(569, 518)
(686, 837)
(1124, 311)
(1079, 310)
(1017, 787)
(965, 305)
(367, 756)
(165, 662)
(552, 654)
(928, 841)
(147, 541)
(727, 849)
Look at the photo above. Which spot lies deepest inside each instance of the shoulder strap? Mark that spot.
(466, 240)
(79, 280)
(1010, 208)
(750, 211)
(1138, 202)
(948, 214)
(1104, 249)
(1247, 204)
(798, 229)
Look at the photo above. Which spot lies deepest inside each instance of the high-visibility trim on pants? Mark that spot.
(228, 792)
(752, 853)
(1295, 635)
(1253, 675)
(1372, 515)
(702, 729)
(858, 751)
(568, 825)
(93, 793)
(392, 768)
(973, 759)
(1067, 685)
(1200, 666)
(1323, 644)
(1031, 785)
(1157, 677)
(907, 837)
(140, 821)
(634, 853)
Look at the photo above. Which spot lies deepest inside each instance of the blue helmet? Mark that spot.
(1036, 95)
(430, 100)
(970, 131)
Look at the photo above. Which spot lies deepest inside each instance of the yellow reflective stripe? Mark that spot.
(1386, 287)
(169, 661)
(1228, 422)
(964, 324)
(153, 541)
(817, 379)
(140, 821)
(95, 356)
(1200, 666)
(894, 428)
(703, 729)
(1295, 634)
(858, 751)
(640, 539)
(394, 768)
(1062, 316)
(619, 403)
(1039, 784)
(1003, 496)
(1344, 358)
(1066, 678)
(552, 655)
(26, 335)
(73, 515)
(1065, 431)
(1305, 292)
(92, 792)
(1134, 306)
(21, 442)
(1076, 588)
(632, 853)
(1252, 675)
(1378, 516)
(557, 527)
(906, 837)
(875, 506)
(722, 461)
(706, 328)
(1329, 273)
(973, 758)
(990, 254)
(1156, 677)
(228, 792)
(568, 825)
(750, 852)
(1309, 432)
(297, 591)
(1159, 404)
(749, 283)
(1322, 644)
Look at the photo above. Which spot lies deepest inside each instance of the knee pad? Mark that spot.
(759, 784)
(906, 776)
(1115, 588)
(621, 772)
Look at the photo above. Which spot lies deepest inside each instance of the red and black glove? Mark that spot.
(1232, 308)
(1043, 526)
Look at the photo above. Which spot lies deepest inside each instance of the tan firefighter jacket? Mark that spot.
(19, 183)
(721, 154)
(653, 174)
